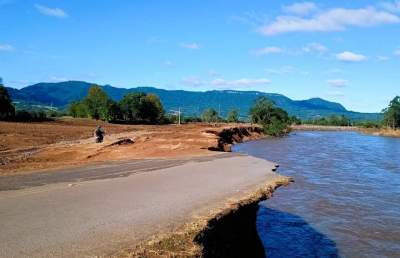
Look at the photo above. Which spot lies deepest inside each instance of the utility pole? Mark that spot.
(219, 112)
(179, 116)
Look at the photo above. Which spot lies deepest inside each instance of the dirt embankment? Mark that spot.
(228, 232)
(229, 136)
(381, 132)
(26, 147)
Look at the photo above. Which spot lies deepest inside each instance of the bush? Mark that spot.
(233, 116)
(210, 116)
(276, 128)
(274, 120)
(25, 116)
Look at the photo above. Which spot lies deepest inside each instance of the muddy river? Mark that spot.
(345, 201)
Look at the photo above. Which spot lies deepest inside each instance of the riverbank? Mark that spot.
(388, 132)
(30, 147)
(102, 217)
(306, 127)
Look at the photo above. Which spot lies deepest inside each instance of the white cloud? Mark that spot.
(348, 56)
(302, 8)
(338, 83)
(6, 47)
(382, 58)
(281, 71)
(55, 12)
(267, 51)
(391, 6)
(240, 83)
(397, 52)
(194, 46)
(315, 47)
(192, 81)
(331, 20)
(334, 71)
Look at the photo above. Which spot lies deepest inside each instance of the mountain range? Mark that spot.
(60, 94)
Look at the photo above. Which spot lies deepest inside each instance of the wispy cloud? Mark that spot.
(58, 79)
(391, 6)
(338, 83)
(397, 52)
(315, 47)
(54, 12)
(382, 58)
(6, 47)
(335, 94)
(302, 8)
(334, 71)
(192, 81)
(193, 46)
(330, 20)
(240, 82)
(267, 50)
(168, 63)
(281, 70)
(213, 73)
(348, 56)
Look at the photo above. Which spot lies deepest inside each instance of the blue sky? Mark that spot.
(344, 51)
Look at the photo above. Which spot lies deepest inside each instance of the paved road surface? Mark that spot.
(98, 217)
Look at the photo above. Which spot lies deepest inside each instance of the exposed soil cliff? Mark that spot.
(227, 232)
(229, 136)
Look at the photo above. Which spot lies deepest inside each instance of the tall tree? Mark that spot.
(7, 109)
(210, 116)
(152, 109)
(392, 113)
(97, 103)
(233, 116)
(131, 106)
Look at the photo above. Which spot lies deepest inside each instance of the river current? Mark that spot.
(345, 201)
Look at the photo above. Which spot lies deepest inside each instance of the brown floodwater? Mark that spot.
(345, 201)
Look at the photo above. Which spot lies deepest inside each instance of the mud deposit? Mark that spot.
(345, 201)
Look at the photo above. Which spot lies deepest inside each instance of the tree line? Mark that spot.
(134, 107)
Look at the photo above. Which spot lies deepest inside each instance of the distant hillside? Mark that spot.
(191, 102)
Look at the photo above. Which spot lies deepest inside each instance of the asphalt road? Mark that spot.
(97, 210)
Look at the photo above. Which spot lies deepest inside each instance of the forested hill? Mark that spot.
(191, 102)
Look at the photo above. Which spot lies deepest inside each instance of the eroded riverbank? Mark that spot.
(227, 231)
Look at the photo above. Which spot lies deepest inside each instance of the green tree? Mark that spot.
(210, 116)
(274, 120)
(392, 113)
(151, 108)
(114, 111)
(131, 105)
(142, 107)
(78, 109)
(97, 103)
(7, 109)
(233, 116)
